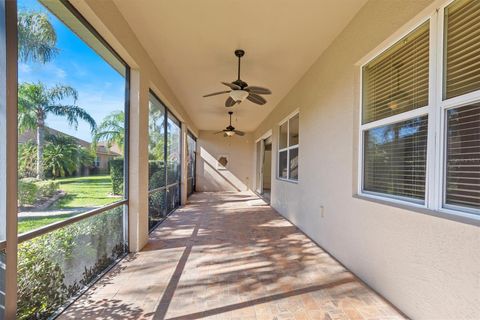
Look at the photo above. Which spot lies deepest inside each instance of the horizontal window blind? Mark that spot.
(462, 48)
(293, 163)
(282, 164)
(397, 80)
(395, 158)
(463, 156)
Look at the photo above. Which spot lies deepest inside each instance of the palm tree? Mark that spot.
(59, 159)
(112, 130)
(36, 101)
(37, 38)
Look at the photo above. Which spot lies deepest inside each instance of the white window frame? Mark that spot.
(288, 148)
(435, 180)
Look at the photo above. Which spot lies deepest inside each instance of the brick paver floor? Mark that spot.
(227, 256)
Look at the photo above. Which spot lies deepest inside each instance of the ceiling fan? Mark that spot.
(240, 90)
(230, 130)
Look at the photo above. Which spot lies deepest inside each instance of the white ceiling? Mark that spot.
(192, 44)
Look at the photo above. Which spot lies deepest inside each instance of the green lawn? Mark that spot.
(92, 191)
(34, 223)
(82, 192)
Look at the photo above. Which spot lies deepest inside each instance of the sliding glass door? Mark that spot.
(191, 166)
(164, 162)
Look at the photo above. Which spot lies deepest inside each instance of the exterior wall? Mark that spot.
(108, 21)
(103, 162)
(427, 266)
(237, 175)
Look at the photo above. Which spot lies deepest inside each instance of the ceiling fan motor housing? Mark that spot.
(242, 84)
(239, 53)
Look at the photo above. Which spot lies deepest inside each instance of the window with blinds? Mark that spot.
(463, 156)
(462, 48)
(397, 80)
(288, 144)
(395, 158)
(402, 132)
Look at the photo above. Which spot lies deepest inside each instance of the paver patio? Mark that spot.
(229, 256)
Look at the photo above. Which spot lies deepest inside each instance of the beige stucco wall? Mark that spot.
(427, 266)
(237, 175)
(108, 21)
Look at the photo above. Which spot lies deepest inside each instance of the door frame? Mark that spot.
(259, 161)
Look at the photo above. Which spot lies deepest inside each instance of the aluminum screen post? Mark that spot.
(8, 152)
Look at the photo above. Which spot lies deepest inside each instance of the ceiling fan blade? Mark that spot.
(258, 90)
(230, 102)
(240, 133)
(219, 132)
(255, 98)
(216, 93)
(232, 86)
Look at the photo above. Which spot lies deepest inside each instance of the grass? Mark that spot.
(92, 191)
(82, 192)
(28, 224)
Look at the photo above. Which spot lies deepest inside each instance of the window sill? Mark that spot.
(287, 180)
(457, 216)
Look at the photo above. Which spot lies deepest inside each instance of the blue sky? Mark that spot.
(100, 87)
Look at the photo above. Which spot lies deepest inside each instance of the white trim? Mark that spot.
(288, 180)
(396, 118)
(435, 180)
(265, 135)
(461, 100)
(394, 199)
(414, 23)
(288, 147)
(430, 170)
(290, 115)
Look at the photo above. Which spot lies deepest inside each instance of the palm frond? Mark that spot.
(37, 38)
(60, 92)
(72, 113)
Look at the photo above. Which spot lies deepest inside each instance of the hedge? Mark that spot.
(31, 189)
(27, 191)
(54, 267)
(116, 173)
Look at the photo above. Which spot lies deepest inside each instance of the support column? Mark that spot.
(138, 162)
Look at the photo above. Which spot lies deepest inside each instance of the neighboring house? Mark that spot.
(103, 153)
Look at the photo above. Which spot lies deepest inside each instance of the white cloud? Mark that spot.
(60, 73)
(24, 68)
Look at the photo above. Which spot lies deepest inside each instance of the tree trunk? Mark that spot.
(40, 143)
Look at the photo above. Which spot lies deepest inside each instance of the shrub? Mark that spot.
(27, 160)
(154, 166)
(55, 266)
(116, 173)
(27, 191)
(157, 180)
(46, 189)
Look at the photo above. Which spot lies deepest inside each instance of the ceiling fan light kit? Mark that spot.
(238, 95)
